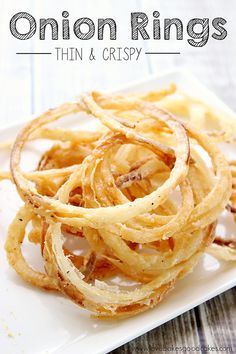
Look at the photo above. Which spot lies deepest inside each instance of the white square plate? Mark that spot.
(33, 321)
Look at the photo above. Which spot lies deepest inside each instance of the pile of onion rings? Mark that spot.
(134, 195)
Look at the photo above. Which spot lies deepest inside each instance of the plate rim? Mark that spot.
(147, 78)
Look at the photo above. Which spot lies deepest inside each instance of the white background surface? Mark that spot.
(30, 84)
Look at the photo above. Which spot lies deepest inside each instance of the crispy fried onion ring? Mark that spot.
(138, 193)
(225, 247)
